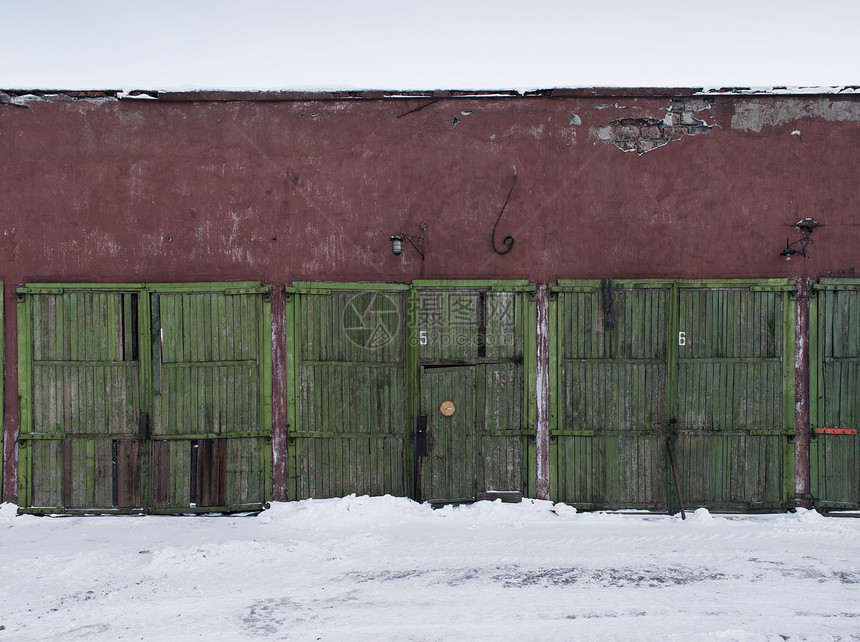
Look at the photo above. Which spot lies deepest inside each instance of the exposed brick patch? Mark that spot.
(627, 130)
(642, 135)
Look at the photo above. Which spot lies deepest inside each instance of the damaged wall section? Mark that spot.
(752, 115)
(645, 134)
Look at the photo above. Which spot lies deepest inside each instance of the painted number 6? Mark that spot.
(682, 338)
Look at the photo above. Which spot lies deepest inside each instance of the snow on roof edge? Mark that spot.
(17, 96)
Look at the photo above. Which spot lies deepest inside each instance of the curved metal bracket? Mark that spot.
(508, 241)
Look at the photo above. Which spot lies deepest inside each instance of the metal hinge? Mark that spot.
(835, 431)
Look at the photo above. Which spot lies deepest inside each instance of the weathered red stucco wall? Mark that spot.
(157, 190)
(217, 187)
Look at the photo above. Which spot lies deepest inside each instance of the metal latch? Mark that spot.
(421, 447)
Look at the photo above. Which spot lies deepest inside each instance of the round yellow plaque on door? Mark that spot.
(447, 408)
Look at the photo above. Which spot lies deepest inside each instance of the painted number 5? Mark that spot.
(682, 338)
(422, 337)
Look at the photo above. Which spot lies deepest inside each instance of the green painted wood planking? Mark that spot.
(97, 388)
(328, 367)
(603, 389)
(619, 376)
(835, 398)
(348, 430)
(500, 317)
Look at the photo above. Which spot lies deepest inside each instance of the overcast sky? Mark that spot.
(397, 44)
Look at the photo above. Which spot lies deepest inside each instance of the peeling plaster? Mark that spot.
(616, 106)
(752, 115)
(643, 135)
(536, 131)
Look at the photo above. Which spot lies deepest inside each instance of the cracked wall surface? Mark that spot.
(645, 134)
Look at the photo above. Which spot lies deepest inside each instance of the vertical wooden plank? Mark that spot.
(815, 392)
(127, 473)
(69, 483)
(26, 457)
(47, 489)
(143, 395)
(160, 474)
(180, 473)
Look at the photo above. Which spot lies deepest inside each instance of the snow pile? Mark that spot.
(369, 568)
(502, 514)
(349, 510)
(7, 512)
(701, 516)
(808, 516)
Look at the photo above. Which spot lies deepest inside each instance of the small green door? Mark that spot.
(447, 455)
(480, 336)
(834, 365)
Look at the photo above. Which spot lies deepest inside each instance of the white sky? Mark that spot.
(397, 44)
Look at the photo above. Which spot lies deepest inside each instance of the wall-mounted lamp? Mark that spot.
(805, 227)
(415, 241)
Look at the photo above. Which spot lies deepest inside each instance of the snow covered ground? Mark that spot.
(387, 568)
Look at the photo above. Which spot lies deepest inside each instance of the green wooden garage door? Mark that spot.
(370, 359)
(702, 366)
(835, 393)
(473, 345)
(347, 350)
(138, 398)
